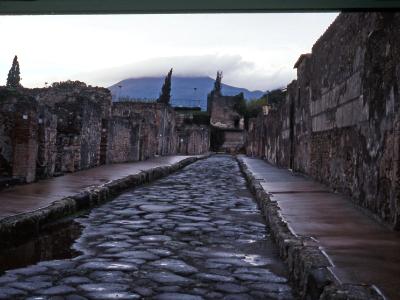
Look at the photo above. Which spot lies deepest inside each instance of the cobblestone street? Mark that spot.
(196, 234)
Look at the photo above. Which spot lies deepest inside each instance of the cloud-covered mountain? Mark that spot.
(185, 91)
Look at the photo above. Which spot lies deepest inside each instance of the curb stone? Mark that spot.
(22, 227)
(309, 266)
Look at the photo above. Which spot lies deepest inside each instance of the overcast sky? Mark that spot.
(255, 51)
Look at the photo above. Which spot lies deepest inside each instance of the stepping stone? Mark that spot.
(270, 277)
(114, 295)
(8, 278)
(186, 229)
(116, 244)
(214, 277)
(161, 252)
(155, 238)
(169, 288)
(222, 254)
(153, 208)
(257, 260)
(58, 264)
(231, 288)
(130, 222)
(180, 296)
(174, 265)
(9, 293)
(168, 278)
(29, 271)
(108, 276)
(154, 216)
(108, 266)
(139, 254)
(75, 297)
(42, 278)
(76, 280)
(104, 287)
(192, 218)
(238, 297)
(144, 291)
(57, 290)
(136, 261)
(30, 286)
(229, 261)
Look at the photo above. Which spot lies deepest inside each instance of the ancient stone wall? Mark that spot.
(166, 122)
(82, 114)
(341, 117)
(255, 136)
(193, 139)
(193, 130)
(123, 140)
(47, 139)
(227, 122)
(71, 126)
(153, 126)
(224, 112)
(18, 135)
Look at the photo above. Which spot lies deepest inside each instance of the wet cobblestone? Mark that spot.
(196, 234)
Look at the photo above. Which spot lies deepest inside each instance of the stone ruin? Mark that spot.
(139, 131)
(70, 126)
(227, 122)
(192, 130)
(340, 122)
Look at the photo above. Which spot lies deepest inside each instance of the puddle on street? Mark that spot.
(54, 243)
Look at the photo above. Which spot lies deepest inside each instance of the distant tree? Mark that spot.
(217, 83)
(276, 97)
(165, 95)
(13, 78)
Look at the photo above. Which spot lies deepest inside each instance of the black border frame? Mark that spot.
(35, 7)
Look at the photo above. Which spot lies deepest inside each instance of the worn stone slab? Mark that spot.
(293, 187)
(25, 209)
(310, 223)
(214, 261)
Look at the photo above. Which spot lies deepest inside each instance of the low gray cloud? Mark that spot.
(236, 71)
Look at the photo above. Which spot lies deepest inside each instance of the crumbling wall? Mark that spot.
(71, 126)
(155, 130)
(18, 135)
(224, 112)
(227, 122)
(123, 140)
(193, 131)
(234, 141)
(270, 135)
(355, 103)
(82, 114)
(166, 124)
(47, 139)
(345, 112)
(193, 139)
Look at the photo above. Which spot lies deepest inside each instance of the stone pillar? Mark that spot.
(25, 145)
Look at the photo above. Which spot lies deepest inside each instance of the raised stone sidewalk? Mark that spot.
(334, 250)
(26, 209)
